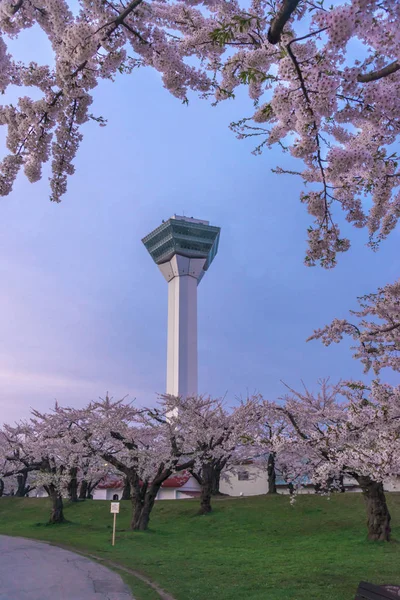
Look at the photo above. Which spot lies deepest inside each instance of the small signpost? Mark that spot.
(114, 511)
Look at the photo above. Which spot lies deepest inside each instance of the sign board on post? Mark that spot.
(114, 508)
(114, 511)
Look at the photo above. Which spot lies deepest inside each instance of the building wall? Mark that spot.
(101, 494)
(38, 493)
(190, 486)
(256, 484)
(182, 496)
(392, 484)
(166, 494)
(114, 491)
(179, 493)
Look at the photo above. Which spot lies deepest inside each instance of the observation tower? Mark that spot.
(183, 248)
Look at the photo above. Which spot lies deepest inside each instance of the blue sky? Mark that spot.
(84, 308)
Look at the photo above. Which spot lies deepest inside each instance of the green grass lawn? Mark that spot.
(258, 548)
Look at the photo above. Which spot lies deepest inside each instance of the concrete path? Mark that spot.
(35, 571)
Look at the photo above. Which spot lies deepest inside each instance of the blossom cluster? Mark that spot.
(333, 107)
(376, 330)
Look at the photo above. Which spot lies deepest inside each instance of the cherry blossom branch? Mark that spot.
(279, 21)
(379, 342)
(375, 75)
(314, 123)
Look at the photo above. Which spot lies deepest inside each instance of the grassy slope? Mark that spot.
(250, 548)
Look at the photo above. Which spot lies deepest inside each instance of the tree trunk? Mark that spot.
(378, 516)
(1, 487)
(291, 488)
(215, 480)
(143, 495)
(21, 482)
(142, 505)
(148, 504)
(92, 485)
(271, 474)
(57, 514)
(83, 489)
(215, 477)
(137, 506)
(73, 485)
(126, 494)
(206, 489)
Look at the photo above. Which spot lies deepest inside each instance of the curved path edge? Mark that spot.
(30, 569)
(162, 593)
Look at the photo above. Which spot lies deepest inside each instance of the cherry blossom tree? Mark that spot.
(345, 429)
(50, 443)
(43, 445)
(4, 464)
(91, 43)
(213, 435)
(92, 470)
(16, 474)
(324, 81)
(376, 332)
(87, 472)
(328, 102)
(16, 461)
(267, 424)
(3, 460)
(139, 446)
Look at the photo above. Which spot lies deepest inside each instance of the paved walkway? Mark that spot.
(35, 571)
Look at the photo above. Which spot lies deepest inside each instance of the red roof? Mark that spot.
(175, 481)
(110, 484)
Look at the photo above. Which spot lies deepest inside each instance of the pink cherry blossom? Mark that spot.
(376, 330)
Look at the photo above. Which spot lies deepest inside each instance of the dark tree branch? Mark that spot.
(385, 329)
(293, 422)
(120, 20)
(15, 8)
(375, 75)
(278, 23)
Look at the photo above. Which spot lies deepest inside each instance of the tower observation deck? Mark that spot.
(183, 248)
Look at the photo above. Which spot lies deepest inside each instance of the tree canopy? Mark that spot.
(324, 80)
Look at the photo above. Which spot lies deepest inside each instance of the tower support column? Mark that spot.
(182, 274)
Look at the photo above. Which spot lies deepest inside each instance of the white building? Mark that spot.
(177, 487)
(252, 480)
(246, 480)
